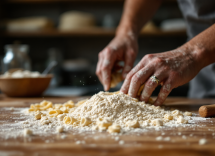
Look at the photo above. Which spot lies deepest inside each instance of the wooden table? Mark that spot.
(183, 141)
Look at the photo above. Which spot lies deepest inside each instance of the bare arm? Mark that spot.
(174, 68)
(124, 46)
(203, 47)
(136, 13)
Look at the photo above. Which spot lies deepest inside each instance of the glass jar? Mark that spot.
(16, 58)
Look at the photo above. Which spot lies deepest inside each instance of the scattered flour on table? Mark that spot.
(115, 113)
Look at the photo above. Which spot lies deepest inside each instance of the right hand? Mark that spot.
(121, 48)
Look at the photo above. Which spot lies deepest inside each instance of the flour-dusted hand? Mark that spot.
(124, 46)
(121, 48)
(172, 69)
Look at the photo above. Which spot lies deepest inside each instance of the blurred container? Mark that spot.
(30, 24)
(24, 87)
(76, 20)
(16, 58)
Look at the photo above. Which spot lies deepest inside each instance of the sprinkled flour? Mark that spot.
(115, 113)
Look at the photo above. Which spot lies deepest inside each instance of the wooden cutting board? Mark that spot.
(181, 141)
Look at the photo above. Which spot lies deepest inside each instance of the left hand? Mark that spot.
(172, 68)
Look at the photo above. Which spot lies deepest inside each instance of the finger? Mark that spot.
(107, 65)
(164, 92)
(150, 86)
(126, 84)
(98, 68)
(138, 79)
(129, 61)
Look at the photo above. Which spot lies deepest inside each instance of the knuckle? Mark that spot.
(129, 76)
(159, 61)
(148, 85)
(167, 88)
(148, 56)
(104, 68)
(135, 78)
(174, 74)
(132, 53)
(100, 55)
(108, 51)
(97, 72)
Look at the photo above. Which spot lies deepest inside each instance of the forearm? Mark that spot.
(202, 47)
(136, 13)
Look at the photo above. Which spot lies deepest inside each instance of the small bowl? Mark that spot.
(24, 87)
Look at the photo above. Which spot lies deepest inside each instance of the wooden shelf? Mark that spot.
(57, 1)
(65, 1)
(98, 32)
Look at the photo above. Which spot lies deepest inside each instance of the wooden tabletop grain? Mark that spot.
(179, 141)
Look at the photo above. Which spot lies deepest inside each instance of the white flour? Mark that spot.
(117, 108)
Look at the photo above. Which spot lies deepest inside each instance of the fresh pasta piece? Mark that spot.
(55, 113)
(140, 90)
(64, 109)
(69, 104)
(157, 122)
(31, 109)
(150, 101)
(103, 123)
(58, 106)
(27, 132)
(69, 120)
(59, 129)
(60, 117)
(96, 127)
(37, 105)
(85, 121)
(134, 99)
(81, 102)
(176, 113)
(45, 122)
(44, 103)
(182, 120)
(72, 109)
(133, 124)
(38, 115)
(188, 113)
(168, 117)
(111, 93)
(114, 128)
(116, 77)
(44, 118)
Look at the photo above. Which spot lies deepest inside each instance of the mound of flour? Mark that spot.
(121, 108)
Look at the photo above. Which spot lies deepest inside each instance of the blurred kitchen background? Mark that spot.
(73, 32)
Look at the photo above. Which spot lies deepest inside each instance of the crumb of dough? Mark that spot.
(159, 138)
(27, 132)
(60, 129)
(202, 141)
(121, 142)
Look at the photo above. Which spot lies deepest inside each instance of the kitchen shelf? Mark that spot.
(85, 32)
(58, 1)
(66, 1)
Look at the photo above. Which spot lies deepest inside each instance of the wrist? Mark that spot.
(198, 54)
(127, 30)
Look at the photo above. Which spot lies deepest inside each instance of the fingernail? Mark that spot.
(106, 87)
(124, 75)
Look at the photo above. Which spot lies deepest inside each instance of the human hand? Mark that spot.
(121, 48)
(172, 68)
